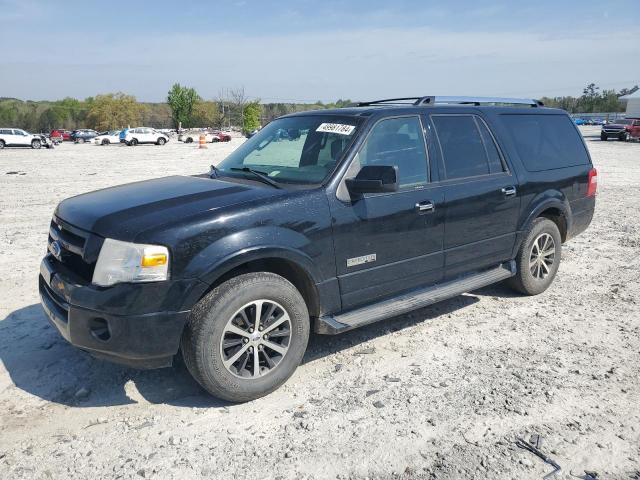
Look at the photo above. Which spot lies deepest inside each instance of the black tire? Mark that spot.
(188, 140)
(161, 141)
(215, 140)
(201, 341)
(535, 282)
(36, 144)
(133, 142)
(105, 141)
(1, 144)
(603, 137)
(625, 137)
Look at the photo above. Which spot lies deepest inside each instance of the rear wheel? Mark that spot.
(246, 338)
(188, 140)
(538, 258)
(81, 140)
(36, 144)
(161, 141)
(1, 144)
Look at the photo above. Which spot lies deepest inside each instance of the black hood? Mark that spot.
(125, 211)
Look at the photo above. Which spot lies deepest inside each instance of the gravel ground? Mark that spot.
(439, 393)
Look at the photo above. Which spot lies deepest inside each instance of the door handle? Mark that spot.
(509, 191)
(426, 206)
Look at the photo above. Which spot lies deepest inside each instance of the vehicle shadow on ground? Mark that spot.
(43, 364)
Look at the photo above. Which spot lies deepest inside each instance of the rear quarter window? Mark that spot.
(546, 142)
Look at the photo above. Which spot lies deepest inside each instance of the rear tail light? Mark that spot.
(592, 184)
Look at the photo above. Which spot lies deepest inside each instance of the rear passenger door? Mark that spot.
(481, 197)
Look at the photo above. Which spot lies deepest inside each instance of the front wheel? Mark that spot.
(246, 338)
(538, 258)
(161, 141)
(105, 142)
(36, 144)
(603, 137)
(133, 142)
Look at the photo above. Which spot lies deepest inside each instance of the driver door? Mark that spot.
(386, 243)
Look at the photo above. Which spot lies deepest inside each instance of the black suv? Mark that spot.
(357, 215)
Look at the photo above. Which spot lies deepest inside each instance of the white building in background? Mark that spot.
(633, 103)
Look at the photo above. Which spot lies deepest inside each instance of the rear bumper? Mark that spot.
(582, 214)
(142, 340)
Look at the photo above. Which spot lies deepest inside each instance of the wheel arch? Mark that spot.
(555, 207)
(294, 266)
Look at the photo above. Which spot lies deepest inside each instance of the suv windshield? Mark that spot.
(294, 150)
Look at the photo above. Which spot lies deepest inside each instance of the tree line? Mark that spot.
(230, 108)
(592, 100)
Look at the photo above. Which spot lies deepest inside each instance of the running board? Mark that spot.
(332, 325)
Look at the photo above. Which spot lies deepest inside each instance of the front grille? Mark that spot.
(79, 249)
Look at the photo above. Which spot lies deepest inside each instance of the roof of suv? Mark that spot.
(408, 104)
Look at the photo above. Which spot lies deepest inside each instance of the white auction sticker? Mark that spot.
(336, 128)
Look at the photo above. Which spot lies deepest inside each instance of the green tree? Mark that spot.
(205, 114)
(182, 101)
(252, 112)
(113, 110)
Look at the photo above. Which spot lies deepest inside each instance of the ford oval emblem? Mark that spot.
(56, 250)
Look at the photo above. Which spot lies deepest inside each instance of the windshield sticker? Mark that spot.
(336, 128)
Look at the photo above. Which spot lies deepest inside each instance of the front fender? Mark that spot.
(252, 244)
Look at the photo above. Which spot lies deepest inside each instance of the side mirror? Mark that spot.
(374, 179)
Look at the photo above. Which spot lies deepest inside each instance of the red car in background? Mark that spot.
(220, 137)
(60, 135)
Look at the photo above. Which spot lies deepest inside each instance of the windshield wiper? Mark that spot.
(259, 175)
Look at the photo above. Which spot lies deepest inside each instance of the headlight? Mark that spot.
(130, 262)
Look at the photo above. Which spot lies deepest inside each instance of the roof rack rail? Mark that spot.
(438, 100)
(392, 101)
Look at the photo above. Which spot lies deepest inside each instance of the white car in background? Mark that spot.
(145, 135)
(107, 138)
(14, 137)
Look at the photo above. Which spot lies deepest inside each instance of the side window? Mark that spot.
(463, 150)
(546, 141)
(495, 162)
(398, 142)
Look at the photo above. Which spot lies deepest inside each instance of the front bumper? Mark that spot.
(98, 320)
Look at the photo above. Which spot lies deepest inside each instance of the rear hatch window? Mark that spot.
(546, 142)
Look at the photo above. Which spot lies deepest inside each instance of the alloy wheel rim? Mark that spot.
(256, 339)
(542, 256)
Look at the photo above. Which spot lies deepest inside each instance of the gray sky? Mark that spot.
(299, 51)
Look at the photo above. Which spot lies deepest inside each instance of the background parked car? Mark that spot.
(45, 140)
(59, 135)
(621, 128)
(15, 137)
(106, 138)
(145, 135)
(220, 137)
(83, 135)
